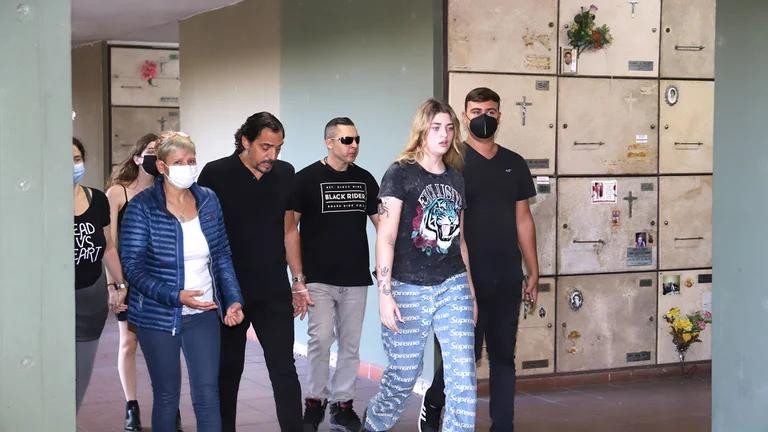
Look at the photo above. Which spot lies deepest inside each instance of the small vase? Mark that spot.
(681, 355)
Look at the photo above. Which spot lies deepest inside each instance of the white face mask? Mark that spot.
(181, 176)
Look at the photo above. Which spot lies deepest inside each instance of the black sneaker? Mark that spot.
(344, 418)
(429, 416)
(314, 413)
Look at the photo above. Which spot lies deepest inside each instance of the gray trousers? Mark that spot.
(337, 315)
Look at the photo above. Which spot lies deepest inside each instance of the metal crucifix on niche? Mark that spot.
(524, 107)
(634, 3)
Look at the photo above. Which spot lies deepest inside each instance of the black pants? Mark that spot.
(273, 322)
(496, 324)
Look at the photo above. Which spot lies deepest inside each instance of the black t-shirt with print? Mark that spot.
(427, 249)
(334, 207)
(494, 186)
(90, 241)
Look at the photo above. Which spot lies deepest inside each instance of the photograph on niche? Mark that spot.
(567, 61)
(671, 285)
(641, 240)
(604, 191)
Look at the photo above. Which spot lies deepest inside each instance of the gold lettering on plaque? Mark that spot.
(540, 62)
(530, 38)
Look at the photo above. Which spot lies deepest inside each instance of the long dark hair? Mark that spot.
(128, 170)
(254, 125)
(77, 143)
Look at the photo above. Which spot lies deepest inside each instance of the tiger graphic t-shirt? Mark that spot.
(427, 249)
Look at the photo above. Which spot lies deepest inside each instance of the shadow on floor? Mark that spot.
(662, 405)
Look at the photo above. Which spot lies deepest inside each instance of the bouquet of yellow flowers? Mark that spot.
(685, 329)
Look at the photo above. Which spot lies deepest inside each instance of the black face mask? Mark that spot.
(483, 126)
(149, 165)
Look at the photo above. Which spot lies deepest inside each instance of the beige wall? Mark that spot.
(230, 69)
(88, 100)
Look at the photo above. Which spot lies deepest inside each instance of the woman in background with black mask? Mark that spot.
(136, 173)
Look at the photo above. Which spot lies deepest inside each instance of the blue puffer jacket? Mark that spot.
(152, 254)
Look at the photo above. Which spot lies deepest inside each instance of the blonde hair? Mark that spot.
(422, 120)
(170, 141)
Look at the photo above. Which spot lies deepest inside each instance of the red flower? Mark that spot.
(416, 222)
(597, 38)
(148, 70)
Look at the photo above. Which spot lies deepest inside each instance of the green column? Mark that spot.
(37, 389)
(740, 295)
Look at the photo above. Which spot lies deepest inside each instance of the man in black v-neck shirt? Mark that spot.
(253, 187)
(500, 233)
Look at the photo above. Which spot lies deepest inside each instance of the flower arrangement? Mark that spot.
(685, 329)
(149, 71)
(583, 34)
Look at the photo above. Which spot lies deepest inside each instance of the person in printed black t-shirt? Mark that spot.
(254, 187)
(498, 227)
(332, 200)
(423, 271)
(94, 248)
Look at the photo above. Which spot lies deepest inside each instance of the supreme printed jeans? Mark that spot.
(447, 309)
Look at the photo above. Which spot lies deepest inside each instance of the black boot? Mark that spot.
(178, 421)
(132, 416)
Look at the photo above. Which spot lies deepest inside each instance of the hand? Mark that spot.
(474, 311)
(301, 300)
(389, 313)
(532, 288)
(121, 295)
(187, 298)
(115, 300)
(234, 315)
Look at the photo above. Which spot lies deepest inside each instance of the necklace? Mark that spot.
(178, 211)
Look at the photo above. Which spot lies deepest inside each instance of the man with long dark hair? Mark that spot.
(253, 187)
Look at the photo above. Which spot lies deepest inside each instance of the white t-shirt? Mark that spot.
(197, 276)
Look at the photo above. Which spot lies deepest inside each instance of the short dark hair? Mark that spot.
(254, 125)
(482, 94)
(76, 142)
(338, 121)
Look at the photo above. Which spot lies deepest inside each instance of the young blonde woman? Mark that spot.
(422, 270)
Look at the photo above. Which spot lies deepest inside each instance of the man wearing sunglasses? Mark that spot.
(333, 200)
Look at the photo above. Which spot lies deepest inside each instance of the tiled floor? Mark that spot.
(670, 404)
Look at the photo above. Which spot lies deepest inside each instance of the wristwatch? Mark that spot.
(299, 278)
(118, 285)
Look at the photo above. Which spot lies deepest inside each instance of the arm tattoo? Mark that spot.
(383, 209)
(383, 283)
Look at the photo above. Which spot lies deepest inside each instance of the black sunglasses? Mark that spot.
(347, 140)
